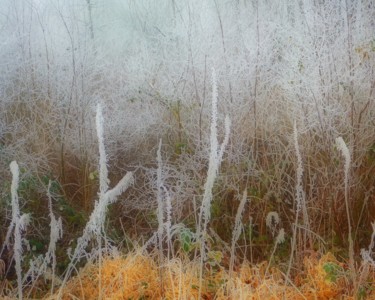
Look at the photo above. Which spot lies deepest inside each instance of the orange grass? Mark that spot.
(137, 276)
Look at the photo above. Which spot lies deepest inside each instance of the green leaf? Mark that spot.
(36, 245)
(332, 271)
(186, 237)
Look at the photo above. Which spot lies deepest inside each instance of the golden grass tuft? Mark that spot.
(138, 276)
(131, 277)
(325, 278)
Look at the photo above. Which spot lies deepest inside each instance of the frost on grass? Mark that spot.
(17, 225)
(367, 254)
(341, 145)
(237, 229)
(216, 156)
(40, 265)
(164, 210)
(94, 228)
(272, 220)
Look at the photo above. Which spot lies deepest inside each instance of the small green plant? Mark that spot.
(214, 258)
(332, 270)
(186, 238)
(361, 294)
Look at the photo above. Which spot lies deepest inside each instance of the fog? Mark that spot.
(276, 62)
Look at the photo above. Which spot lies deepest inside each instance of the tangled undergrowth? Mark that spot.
(251, 140)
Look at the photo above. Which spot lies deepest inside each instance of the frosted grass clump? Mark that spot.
(159, 198)
(94, 228)
(164, 211)
(237, 229)
(341, 145)
(103, 170)
(300, 195)
(39, 266)
(299, 198)
(366, 254)
(17, 225)
(272, 220)
(216, 156)
(15, 206)
(168, 221)
(21, 225)
(55, 234)
(280, 238)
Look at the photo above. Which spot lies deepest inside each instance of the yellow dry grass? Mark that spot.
(137, 276)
